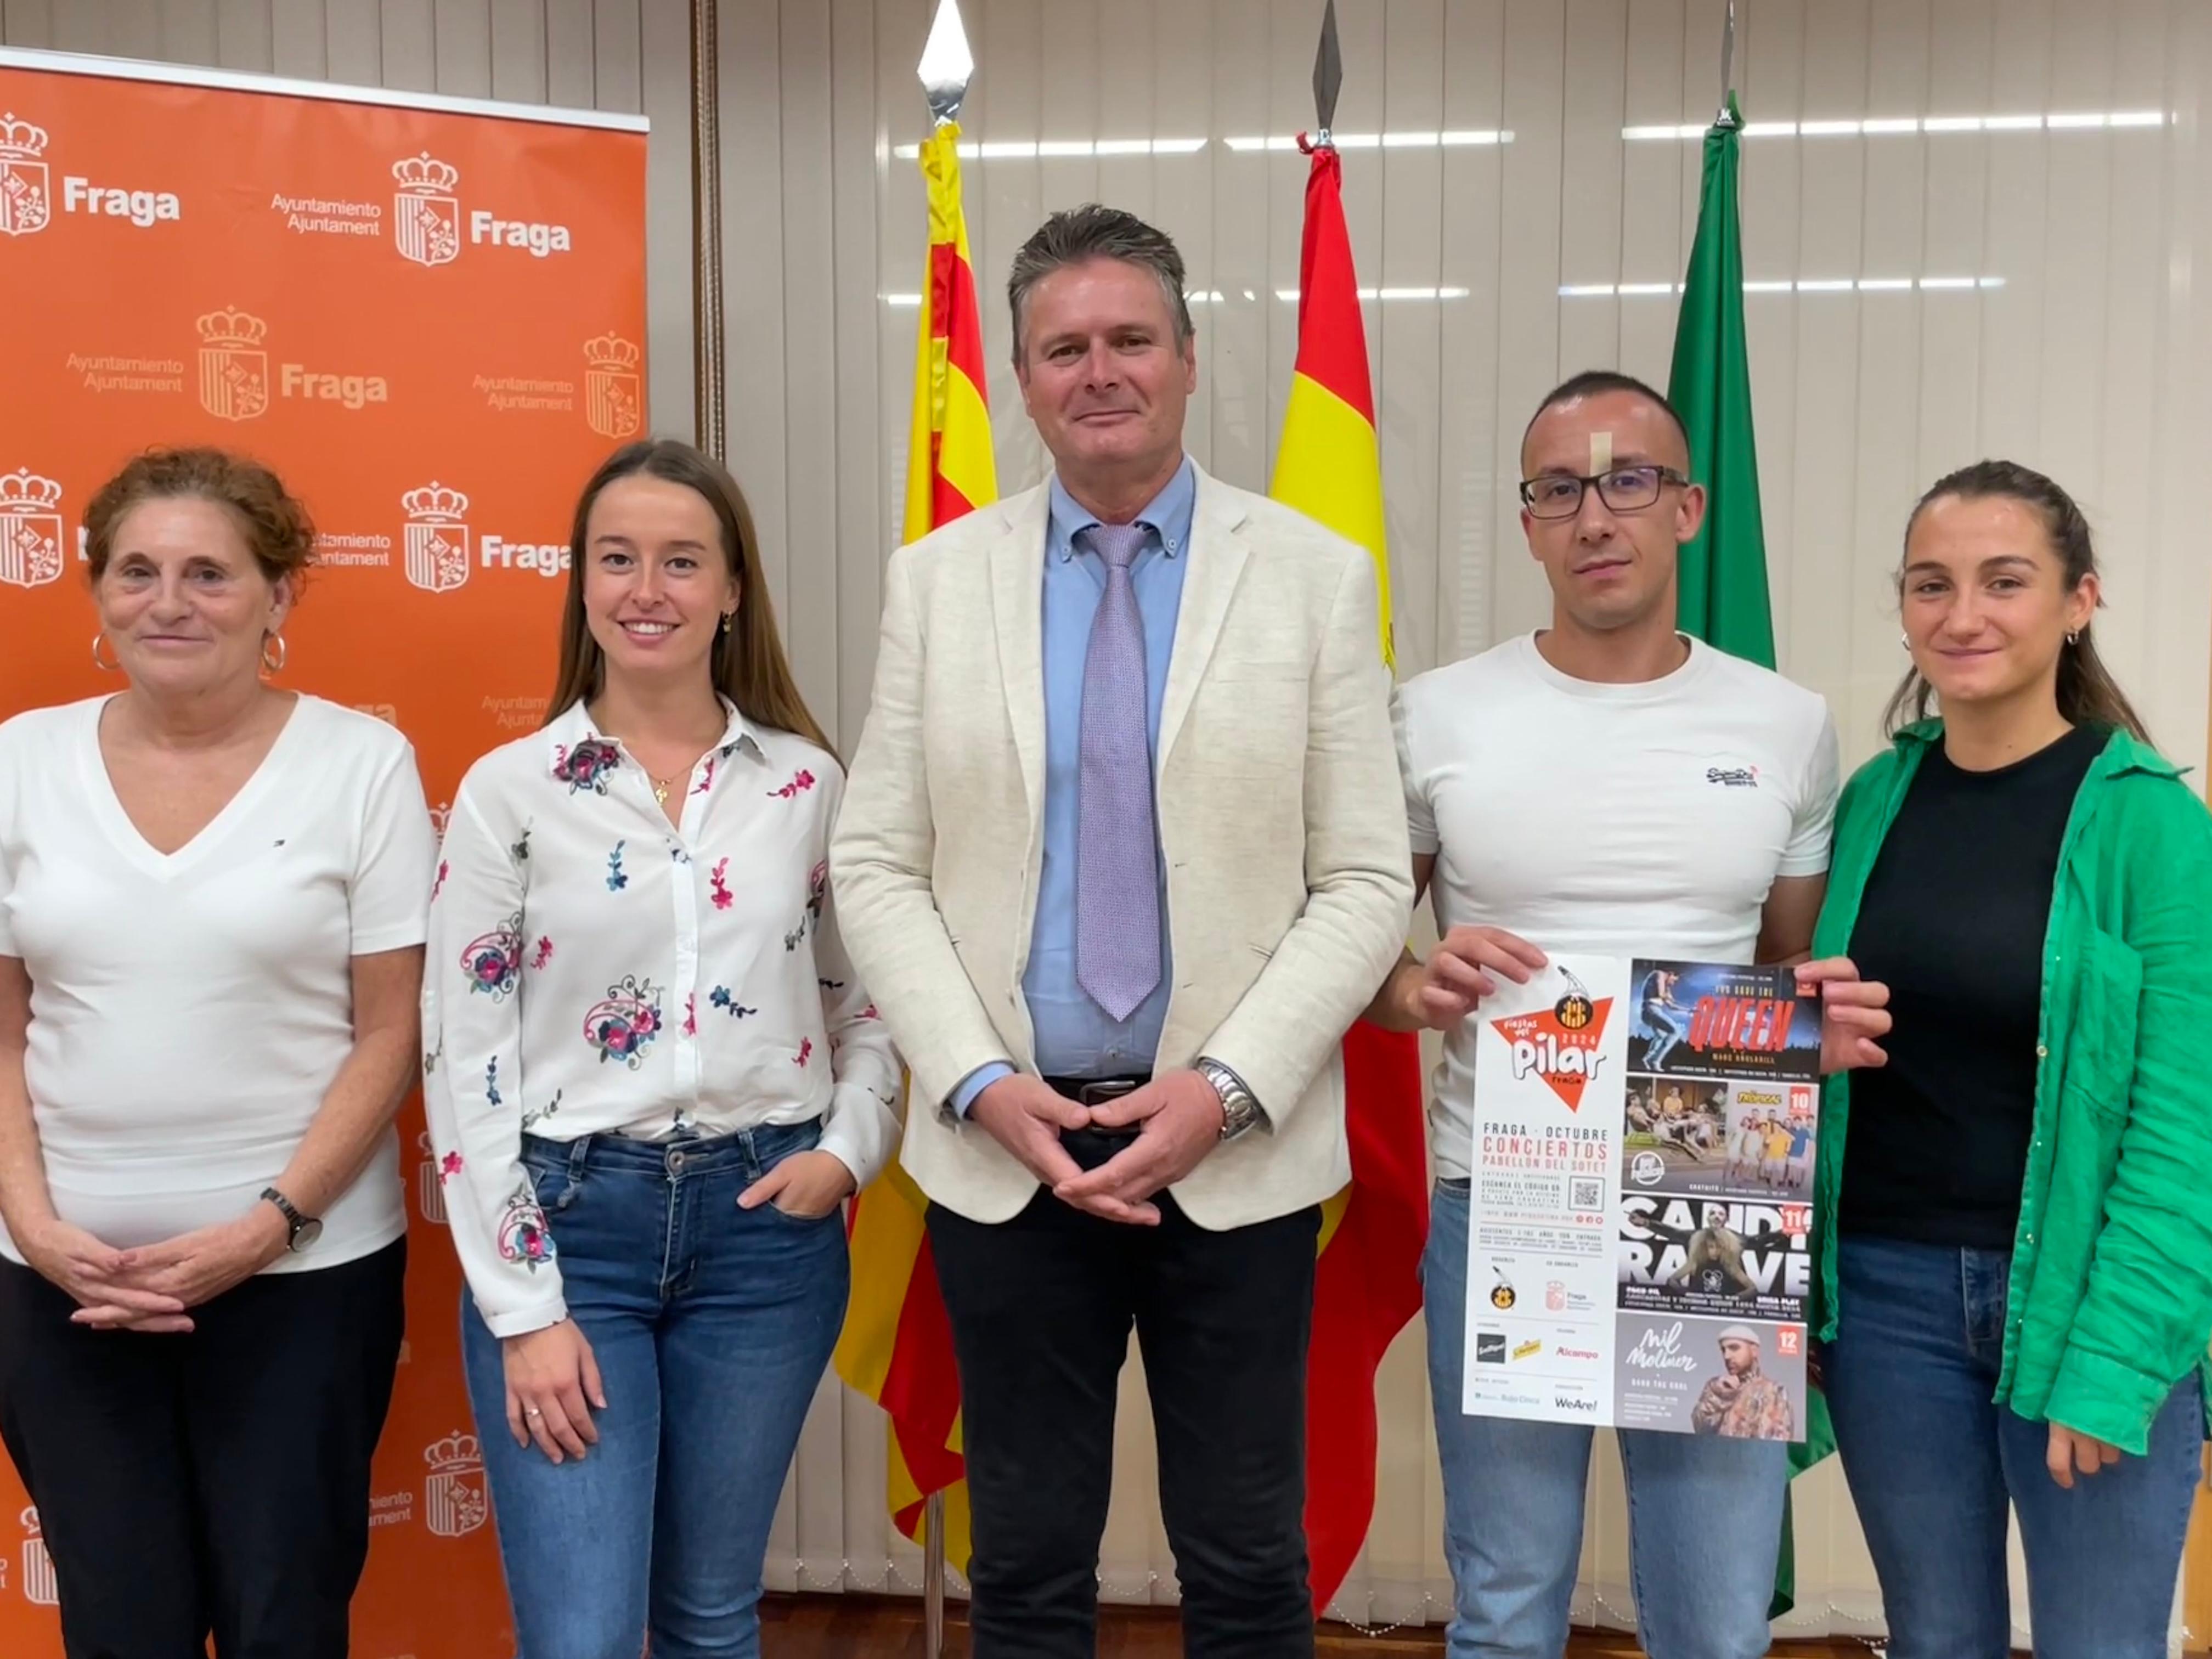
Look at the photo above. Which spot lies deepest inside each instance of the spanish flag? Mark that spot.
(1367, 1281)
(897, 1346)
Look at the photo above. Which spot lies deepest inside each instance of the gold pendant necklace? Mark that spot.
(660, 788)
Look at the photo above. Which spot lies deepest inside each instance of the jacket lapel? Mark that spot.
(1017, 619)
(1217, 555)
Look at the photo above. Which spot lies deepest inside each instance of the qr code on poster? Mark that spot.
(1585, 1193)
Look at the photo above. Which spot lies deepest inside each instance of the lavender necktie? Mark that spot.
(1117, 896)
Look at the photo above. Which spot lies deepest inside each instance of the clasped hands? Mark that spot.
(1177, 1116)
(152, 1288)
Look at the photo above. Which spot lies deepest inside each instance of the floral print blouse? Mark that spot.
(594, 970)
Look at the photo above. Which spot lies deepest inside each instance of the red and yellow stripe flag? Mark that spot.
(1367, 1281)
(897, 1346)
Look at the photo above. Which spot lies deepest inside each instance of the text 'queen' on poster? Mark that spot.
(1639, 1251)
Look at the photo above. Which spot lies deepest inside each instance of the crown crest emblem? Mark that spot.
(455, 1451)
(610, 352)
(20, 138)
(25, 490)
(433, 501)
(232, 327)
(422, 173)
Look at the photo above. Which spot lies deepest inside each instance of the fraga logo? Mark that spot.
(455, 1501)
(233, 369)
(1560, 1044)
(234, 372)
(426, 223)
(40, 1587)
(426, 217)
(26, 202)
(31, 532)
(437, 537)
(613, 398)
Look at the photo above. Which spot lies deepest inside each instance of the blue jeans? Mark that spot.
(1704, 1516)
(711, 1325)
(1932, 1461)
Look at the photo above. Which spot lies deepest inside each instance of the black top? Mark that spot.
(1953, 922)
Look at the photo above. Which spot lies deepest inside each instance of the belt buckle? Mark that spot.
(1097, 1094)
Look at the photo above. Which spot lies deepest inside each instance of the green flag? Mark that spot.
(1724, 570)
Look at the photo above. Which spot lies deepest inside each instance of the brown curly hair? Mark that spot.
(276, 525)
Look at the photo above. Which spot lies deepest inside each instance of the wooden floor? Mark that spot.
(868, 1627)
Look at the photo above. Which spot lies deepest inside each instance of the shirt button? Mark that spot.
(2041, 1053)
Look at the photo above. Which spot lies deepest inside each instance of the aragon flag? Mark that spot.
(1367, 1280)
(897, 1346)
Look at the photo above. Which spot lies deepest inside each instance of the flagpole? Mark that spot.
(945, 70)
(1328, 78)
(1728, 117)
(708, 421)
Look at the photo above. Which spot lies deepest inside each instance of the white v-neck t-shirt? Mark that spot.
(1644, 819)
(190, 1010)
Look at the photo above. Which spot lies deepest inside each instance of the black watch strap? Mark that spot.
(295, 1224)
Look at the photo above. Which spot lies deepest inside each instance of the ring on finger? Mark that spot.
(532, 1411)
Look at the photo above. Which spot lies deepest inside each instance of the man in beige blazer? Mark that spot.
(1121, 859)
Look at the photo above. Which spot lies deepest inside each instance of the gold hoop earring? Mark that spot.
(284, 654)
(99, 640)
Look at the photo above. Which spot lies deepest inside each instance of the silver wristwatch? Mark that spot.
(1240, 1109)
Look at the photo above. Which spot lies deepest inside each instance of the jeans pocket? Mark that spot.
(803, 1138)
(807, 1222)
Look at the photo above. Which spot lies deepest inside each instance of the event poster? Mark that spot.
(1639, 1252)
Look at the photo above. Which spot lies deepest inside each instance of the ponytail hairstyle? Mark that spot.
(2088, 693)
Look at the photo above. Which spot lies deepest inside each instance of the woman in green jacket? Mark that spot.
(2015, 1288)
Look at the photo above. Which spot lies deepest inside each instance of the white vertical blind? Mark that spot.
(1955, 250)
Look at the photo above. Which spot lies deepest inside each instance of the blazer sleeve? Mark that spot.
(1359, 879)
(880, 858)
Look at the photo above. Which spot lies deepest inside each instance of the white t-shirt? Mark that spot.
(1645, 820)
(188, 1012)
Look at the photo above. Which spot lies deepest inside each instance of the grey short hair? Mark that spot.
(1093, 232)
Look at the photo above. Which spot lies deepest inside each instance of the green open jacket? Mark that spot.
(2111, 1294)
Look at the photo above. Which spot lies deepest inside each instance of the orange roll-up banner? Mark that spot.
(428, 317)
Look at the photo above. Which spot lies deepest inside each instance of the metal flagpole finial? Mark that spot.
(1328, 75)
(946, 64)
(1728, 116)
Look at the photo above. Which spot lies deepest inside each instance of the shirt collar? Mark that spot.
(2120, 753)
(575, 726)
(1168, 515)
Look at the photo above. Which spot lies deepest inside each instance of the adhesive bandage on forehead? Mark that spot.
(1600, 455)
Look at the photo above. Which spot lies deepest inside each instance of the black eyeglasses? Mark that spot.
(1624, 489)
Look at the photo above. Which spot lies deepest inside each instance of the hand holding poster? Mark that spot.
(1641, 1198)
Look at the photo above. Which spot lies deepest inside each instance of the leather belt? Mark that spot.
(1096, 1090)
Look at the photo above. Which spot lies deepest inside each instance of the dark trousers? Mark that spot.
(214, 1482)
(1042, 1308)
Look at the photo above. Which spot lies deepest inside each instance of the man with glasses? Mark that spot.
(1603, 785)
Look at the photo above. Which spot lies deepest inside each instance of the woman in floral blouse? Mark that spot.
(653, 1080)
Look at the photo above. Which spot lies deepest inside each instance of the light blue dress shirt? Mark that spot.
(1076, 1037)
